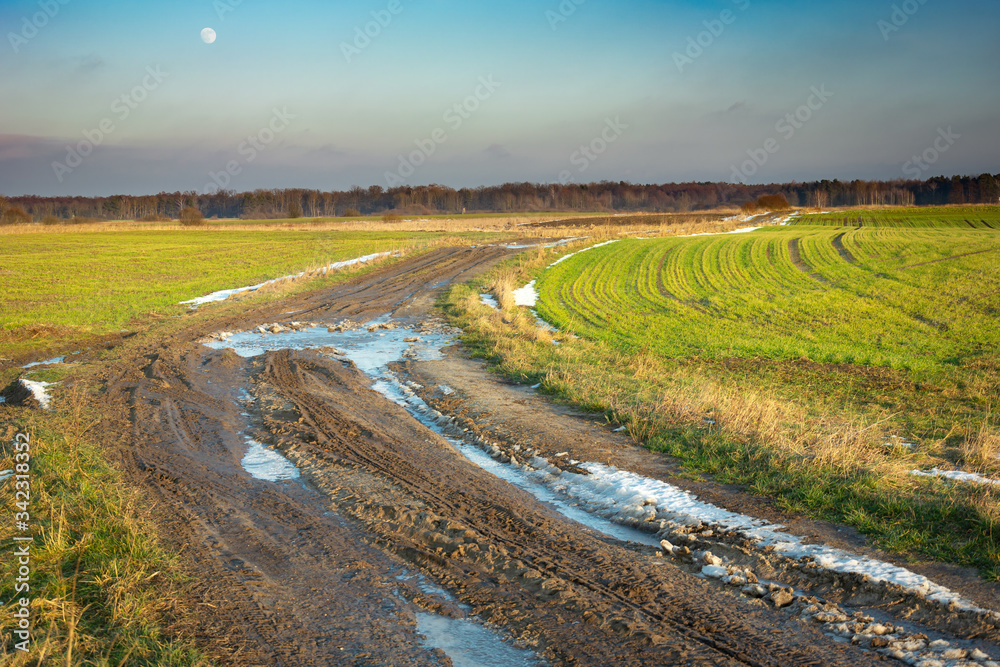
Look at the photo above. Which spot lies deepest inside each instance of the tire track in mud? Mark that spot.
(704, 627)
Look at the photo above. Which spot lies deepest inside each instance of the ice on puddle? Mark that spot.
(468, 644)
(267, 464)
(607, 499)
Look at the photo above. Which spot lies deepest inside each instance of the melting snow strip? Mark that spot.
(572, 254)
(629, 498)
(957, 475)
(53, 360)
(222, 295)
(40, 390)
(489, 300)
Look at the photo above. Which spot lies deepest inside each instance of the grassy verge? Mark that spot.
(102, 591)
(826, 458)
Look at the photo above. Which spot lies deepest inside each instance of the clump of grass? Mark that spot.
(981, 452)
(103, 591)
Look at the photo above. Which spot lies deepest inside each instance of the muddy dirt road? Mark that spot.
(367, 537)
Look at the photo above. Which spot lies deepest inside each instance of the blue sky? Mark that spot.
(559, 74)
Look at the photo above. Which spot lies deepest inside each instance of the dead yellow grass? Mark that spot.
(519, 225)
(103, 592)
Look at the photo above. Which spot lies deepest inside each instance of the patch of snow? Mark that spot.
(2, 400)
(5, 475)
(222, 295)
(957, 475)
(40, 390)
(536, 386)
(744, 230)
(527, 295)
(446, 390)
(53, 360)
(621, 429)
(489, 300)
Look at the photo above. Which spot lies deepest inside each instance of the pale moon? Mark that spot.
(208, 35)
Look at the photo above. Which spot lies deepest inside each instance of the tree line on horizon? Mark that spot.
(605, 196)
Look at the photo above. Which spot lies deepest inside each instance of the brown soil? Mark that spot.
(306, 572)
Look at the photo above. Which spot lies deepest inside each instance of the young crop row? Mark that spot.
(959, 217)
(908, 299)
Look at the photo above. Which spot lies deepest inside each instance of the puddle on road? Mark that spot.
(372, 352)
(267, 464)
(468, 644)
(465, 642)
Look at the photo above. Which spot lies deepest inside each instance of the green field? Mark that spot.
(791, 361)
(66, 285)
(926, 300)
(961, 217)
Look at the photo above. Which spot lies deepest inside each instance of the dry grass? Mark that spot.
(518, 225)
(981, 452)
(102, 590)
